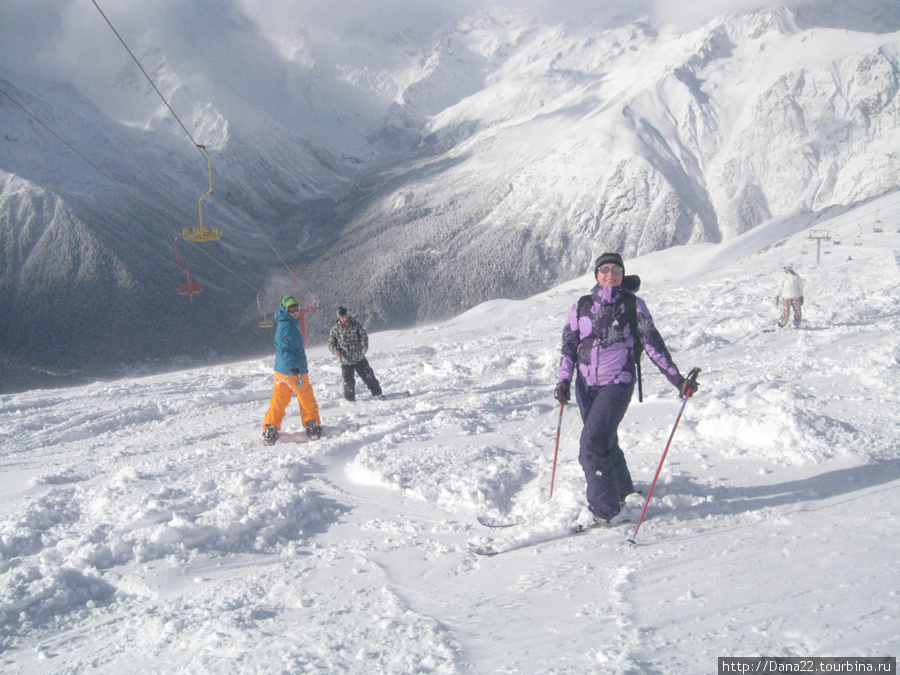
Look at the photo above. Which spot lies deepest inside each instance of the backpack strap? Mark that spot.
(583, 303)
(631, 313)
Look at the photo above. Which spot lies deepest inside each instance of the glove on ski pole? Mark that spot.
(692, 376)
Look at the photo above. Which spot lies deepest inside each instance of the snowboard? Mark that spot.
(390, 396)
(300, 437)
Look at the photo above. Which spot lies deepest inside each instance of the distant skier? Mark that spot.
(790, 294)
(349, 341)
(291, 375)
(600, 349)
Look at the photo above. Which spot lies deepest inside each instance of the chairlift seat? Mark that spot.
(201, 233)
(193, 288)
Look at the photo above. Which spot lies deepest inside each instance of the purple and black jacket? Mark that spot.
(601, 344)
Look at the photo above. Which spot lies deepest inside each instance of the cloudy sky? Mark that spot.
(289, 53)
(68, 36)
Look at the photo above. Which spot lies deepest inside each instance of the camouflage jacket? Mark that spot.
(351, 339)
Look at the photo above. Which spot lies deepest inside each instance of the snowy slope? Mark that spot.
(143, 528)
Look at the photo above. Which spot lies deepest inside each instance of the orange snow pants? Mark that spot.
(285, 387)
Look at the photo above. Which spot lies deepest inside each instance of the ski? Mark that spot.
(487, 521)
(497, 547)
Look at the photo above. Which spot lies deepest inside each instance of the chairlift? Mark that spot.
(858, 240)
(804, 250)
(190, 288)
(265, 323)
(203, 233)
(878, 226)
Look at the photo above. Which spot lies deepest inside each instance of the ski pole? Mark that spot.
(562, 406)
(691, 376)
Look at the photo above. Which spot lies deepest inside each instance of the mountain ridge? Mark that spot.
(508, 154)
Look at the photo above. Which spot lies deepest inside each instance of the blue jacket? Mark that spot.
(289, 344)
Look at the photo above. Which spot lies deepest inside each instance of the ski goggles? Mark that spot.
(610, 269)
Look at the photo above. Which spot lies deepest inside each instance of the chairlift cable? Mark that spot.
(65, 142)
(150, 207)
(152, 84)
(237, 276)
(197, 145)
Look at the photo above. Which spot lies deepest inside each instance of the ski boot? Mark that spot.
(313, 430)
(270, 434)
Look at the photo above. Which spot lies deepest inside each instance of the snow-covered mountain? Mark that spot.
(144, 528)
(407, 165)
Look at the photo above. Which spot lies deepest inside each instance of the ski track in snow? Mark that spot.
(143, 522)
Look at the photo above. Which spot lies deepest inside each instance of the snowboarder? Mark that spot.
(349, 341)
(600, 348)
(790, 294)
(291, 375)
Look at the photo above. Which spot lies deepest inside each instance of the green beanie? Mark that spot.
(289, 301)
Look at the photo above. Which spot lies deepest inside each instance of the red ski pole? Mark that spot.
(562, 406)
(691, 376)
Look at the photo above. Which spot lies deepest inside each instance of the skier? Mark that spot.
(790, 294)
(291, 375)
(599, 347)
(349, 341)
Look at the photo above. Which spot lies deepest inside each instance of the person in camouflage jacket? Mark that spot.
(349, 341)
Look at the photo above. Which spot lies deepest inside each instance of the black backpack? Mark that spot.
(631, 283)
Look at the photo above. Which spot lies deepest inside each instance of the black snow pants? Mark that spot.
(366, 374)
(608, 479)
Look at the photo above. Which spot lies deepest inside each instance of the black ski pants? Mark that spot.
(605, 470)
(366, 374)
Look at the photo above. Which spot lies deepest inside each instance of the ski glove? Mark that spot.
(562, 392)
(801, 300)
(688, 388)
(295, 372)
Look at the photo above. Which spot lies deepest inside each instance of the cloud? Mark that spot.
(28, 32)
(69, 39)
(385, 17)
(695, 12)
(218, 41)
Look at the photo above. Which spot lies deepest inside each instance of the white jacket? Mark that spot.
(791, 286)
